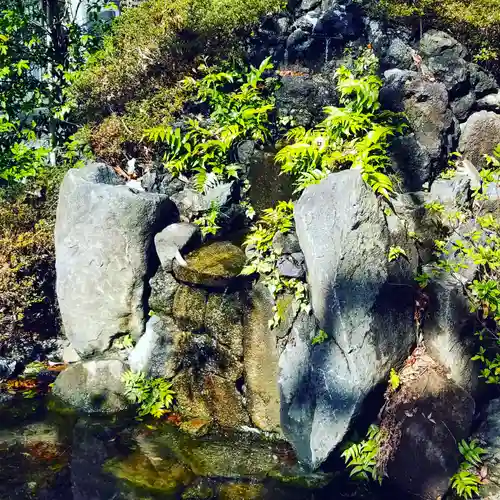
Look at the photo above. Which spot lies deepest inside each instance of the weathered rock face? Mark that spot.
(424, 420)
(359, 300)
(102, 261)
(480, 136)
(444, 58)
(425, 103)
(93, 386)
(163, 289)
(261, 362)
(448, 333)
(304, 97)
(157, 352)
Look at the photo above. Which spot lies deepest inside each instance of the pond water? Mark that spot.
(50, 453)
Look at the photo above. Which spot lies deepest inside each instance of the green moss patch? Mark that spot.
(214, 265)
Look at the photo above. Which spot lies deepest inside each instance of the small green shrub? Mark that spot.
(262, 258)
(395, 253)
(467, 481)
(153, 396)
(319, 338)
(240, 106)
(361, 458)
(355, 135)
(208, 222)
(394, 379)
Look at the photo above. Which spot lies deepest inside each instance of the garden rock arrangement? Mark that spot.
(140, 255)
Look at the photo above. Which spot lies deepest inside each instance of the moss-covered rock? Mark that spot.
(189, 307)
(214, 265)
(152, 474)
(241, 491)
(208, 396)
(261, 362)
(224, 321)
(232, 455)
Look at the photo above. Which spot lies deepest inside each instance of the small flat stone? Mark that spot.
(289, 268)
(173, 239)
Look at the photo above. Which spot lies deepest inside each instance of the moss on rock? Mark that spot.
(224, 321)
(214, 265)
(207, 396)
(233, 455)
(164, 476)
(241, 491)
(189, 307)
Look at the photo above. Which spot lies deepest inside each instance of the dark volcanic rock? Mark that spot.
(369, 321)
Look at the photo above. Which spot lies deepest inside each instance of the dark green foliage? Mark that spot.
(361, 458)
(35, 70)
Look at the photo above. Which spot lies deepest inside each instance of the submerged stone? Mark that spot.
(214, 265)
(236, 455)
(154, 474)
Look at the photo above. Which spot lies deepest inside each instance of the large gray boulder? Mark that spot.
(103, 237)
(359, 299)
(93, 386)
(480, 136)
